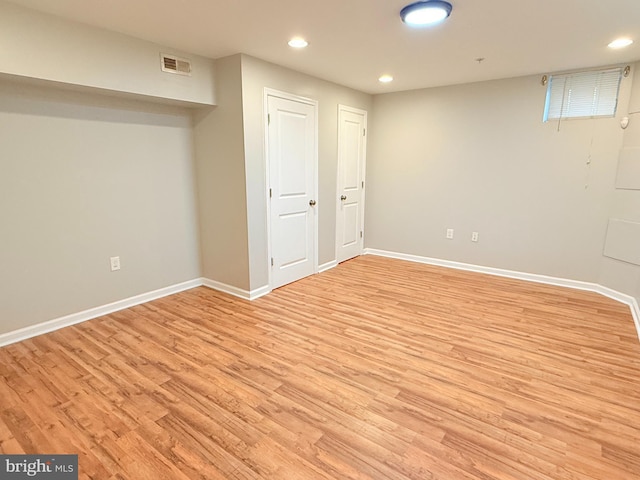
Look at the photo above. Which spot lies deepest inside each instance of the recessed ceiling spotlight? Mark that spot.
(427, 12)
(385, 79)
(620, 43)
(298, 42)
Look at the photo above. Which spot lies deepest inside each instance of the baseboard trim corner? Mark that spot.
(628, 300)
(623, 298)
(500, 272)
(635, 311)
(327, 266)
(235, 291)
(259, 292)
(75, 318)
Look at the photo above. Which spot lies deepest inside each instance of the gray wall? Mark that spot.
(478, 157)
(256, 75)
(222, 206)
(84, 178)
(621, 276)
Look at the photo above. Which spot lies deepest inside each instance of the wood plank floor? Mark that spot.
(377, 369)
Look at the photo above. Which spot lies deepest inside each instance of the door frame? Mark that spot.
(271, 92)
(364, 113)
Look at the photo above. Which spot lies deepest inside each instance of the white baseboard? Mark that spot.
(224, 288)
(327, 266)
(622, 298)
(635, 311)
(74, 318)
(530, 277)
(68, 320)
(259, 292)
(235, 291)
(55, 324)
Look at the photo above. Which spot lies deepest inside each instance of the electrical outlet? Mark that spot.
(115, 263)
(474, 237)
(450, 233)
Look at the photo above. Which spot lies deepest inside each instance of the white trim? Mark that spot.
(316, 174)
(259, 292)
(635, 311)
(622, 298)
(327, 266)
(530, 277)
(235, 291)
(364, 113)
(267, 179)
(224, 288)
(363, 199)
(270, 92)
(74, 318)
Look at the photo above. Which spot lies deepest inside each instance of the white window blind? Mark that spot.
(583, 94)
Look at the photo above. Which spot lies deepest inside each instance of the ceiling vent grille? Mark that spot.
(172, 64)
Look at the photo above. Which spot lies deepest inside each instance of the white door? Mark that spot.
(352, 140)
(292, 164)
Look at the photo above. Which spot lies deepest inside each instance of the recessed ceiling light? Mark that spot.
(621, 43)
(385, 79)
(424, 13)
(298, 42)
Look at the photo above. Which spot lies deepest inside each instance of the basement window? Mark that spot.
(588, 94)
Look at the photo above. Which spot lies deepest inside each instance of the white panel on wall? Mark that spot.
(629, 169)
(623, 241)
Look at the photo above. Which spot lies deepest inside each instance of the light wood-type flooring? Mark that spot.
(377, 369)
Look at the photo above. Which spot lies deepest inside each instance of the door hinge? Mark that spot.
(268, 119)
(364, 132)
(270, 193)
(272, 261)
(360, 233)
(362, 183)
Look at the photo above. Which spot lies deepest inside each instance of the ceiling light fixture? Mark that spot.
(298, 42)
(620, 43)
(428, 12)
(385, 79)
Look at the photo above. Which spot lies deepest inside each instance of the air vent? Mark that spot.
(172, 64)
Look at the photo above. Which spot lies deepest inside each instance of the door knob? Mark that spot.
(312, 203)
(343, 197)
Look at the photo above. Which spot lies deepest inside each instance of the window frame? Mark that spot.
(607, 80)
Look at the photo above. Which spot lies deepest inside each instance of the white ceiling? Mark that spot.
(353, 42)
